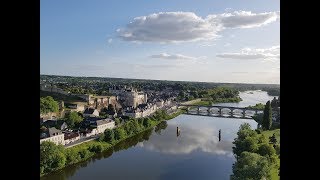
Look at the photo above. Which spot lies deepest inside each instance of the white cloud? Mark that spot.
(205, 140)
(227, 44)
(168, 27)
(110, 40)
(268, 54)
(243, 19)
(176, 56)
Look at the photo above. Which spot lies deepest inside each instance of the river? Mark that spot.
(160, 154)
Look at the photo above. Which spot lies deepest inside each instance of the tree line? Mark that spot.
(256, 157)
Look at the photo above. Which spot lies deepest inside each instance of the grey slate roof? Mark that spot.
(88, 111)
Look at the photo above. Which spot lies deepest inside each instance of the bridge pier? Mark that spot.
(198, 110)
(208, 110)
(244, 113)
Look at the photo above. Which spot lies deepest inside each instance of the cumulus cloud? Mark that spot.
(268, 54)
(243, 19)
(176, 56)
(187, 26)
(110, 40)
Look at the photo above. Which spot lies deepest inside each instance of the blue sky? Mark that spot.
(216, 41)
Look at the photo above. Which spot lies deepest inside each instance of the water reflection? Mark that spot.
(190, 139)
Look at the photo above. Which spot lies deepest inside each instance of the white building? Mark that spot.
(104, 124)
(54, 135)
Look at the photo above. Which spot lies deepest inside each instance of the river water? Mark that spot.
(160, 154)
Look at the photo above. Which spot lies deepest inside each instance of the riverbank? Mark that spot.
(61, 157)
(255, 151)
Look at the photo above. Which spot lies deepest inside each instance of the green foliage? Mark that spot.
(119, 133)
(256, 158)
(84, 153)
(273, 139)
(96, 148)
(266, 150)
(48, 104)
(258, 106)
(267, 117)
(109, 135)
(117, 121)
(251, 166)
(101, 137)
(72, 156)
(51, 157)
(73, 119)
(147, 122)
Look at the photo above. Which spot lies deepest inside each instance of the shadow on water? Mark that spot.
(70, 171)
(163, 125)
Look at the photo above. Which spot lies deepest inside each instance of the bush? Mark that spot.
(84, 153)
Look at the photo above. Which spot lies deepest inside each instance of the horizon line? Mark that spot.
(158, 79)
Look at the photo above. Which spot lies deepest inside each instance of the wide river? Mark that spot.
(160, 154)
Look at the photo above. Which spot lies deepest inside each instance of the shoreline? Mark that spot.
(173, 115)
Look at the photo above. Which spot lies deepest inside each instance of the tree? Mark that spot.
(72, 156)
(109, 135)
(51, 156)
(117, 121)
(119, 133)
(267, 117)
(272, 139)
(48, 104)
(73, 119)
(247, 140)
(266, 150)
(146, 122)
(251, 166)
(101, 137)
(274, 102)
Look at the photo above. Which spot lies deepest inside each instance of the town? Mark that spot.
(99, 112)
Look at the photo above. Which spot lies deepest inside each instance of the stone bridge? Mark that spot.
(221, 111)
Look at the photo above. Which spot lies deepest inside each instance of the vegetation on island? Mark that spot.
(54, 157)
(272, 91)
(256, 156)
(258, 106)
(209, 96)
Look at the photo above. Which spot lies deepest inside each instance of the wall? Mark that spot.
(59, 139)
(103, 127)
(68, 141)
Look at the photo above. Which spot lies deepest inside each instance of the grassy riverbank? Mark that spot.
(53, 157)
